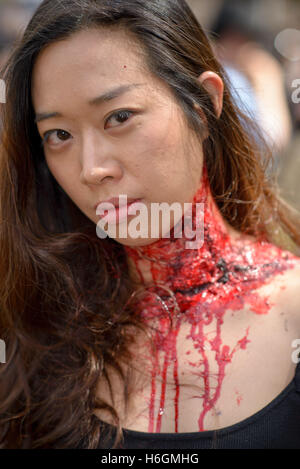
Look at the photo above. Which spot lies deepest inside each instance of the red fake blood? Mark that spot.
(239, 398)
(205, 283)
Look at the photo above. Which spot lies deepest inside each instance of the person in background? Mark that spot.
(14, 16)
(256, 76)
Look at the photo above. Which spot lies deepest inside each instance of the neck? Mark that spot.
(223, 267)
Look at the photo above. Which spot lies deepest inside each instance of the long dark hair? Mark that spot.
(67, 323)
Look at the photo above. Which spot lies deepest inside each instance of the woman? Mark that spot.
(143, 337)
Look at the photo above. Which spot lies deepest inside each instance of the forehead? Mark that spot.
(83, 47)
(89, 62)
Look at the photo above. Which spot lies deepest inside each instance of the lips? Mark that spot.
(118, 202)
(117, 213)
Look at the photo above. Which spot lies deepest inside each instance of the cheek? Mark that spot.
(65, 174)
(57, 172)
(159, 150)
(163, 164)
(155, 136)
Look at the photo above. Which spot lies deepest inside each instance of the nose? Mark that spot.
(98, 164)
(96, 173)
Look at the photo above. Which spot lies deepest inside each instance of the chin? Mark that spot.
(136, 242)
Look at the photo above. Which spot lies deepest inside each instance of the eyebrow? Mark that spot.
(107, 96)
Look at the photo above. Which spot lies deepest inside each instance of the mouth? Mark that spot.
(117, 202)
(116, 213)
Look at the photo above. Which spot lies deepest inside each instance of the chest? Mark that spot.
(206, 375)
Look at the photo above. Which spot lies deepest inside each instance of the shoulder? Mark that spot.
(285, 293)
(281, 272)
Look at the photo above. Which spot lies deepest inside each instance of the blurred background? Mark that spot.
(258, 43)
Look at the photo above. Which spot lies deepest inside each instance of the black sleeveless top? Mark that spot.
(276, 426)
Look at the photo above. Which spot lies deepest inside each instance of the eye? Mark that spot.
(120, 117)
(62, 136)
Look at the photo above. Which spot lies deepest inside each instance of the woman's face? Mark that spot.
(132, 141)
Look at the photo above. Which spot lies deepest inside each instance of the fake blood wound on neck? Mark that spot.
(197, 287)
